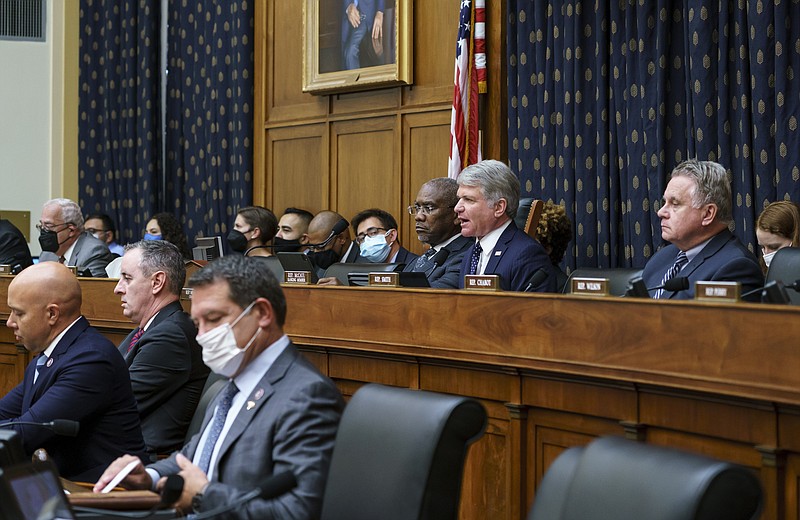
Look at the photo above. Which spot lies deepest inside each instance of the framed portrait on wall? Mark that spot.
(351, 45)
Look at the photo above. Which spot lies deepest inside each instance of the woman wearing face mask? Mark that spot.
(777, 227)
(253, 231)
(164, 226)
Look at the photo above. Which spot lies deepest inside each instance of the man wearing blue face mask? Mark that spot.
(277, 413)
(378, 240)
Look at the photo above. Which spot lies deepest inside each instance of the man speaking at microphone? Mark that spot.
(76, 374)
(276, 414)
(694, 219)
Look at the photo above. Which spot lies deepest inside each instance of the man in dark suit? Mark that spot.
(277, 414)
(378, 238)
(13, 247)
(163, 357)
(694, 219)
(63, 239)
(488, 198)
(77, 374)
(438, 226)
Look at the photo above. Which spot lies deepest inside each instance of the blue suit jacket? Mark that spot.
(445, 276)
(723, 258)
(516, 258)
(87, 382)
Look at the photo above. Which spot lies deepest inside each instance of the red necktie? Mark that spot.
(134, 340)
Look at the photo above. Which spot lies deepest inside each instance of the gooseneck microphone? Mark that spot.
(337, 228)
(438, 259)
(539, 276)
(639, 290)
(171, 492)
(65, 427)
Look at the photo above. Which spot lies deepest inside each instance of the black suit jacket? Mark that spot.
(84, 380)
(13, 247)
(167, 375)
(445, 276)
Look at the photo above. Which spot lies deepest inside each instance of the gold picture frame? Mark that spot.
(341, 52)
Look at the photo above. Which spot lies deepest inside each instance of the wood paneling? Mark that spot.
(299, 153)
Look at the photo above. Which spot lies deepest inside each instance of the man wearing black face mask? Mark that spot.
(339, 248)
(63, 239)
(292, 228)
(253, 228)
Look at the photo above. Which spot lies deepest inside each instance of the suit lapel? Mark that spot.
(500, 248)
(708, 251)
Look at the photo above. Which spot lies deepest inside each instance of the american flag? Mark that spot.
(470, 81)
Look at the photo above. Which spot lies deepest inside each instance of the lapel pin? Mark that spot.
(259, 394)
(49, 362)
(498, 253)
(250, 405)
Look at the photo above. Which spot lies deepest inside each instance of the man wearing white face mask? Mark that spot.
(378, 239)
(277, 414)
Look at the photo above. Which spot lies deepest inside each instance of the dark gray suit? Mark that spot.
(89, 254)
(445, 276)
(290, 426)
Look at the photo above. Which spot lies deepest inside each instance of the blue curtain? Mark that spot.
(210, 113)
(118, 125)
(606, 97)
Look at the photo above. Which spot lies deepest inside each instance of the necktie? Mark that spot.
(424, 259)
(40, 361)
(63, 260)
(680, 261)
(134, 340)
(217, 423)
(475, 259)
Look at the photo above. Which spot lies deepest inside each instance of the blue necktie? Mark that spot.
(680, 261)
(40, 361)
(217, 424)
(424, 259)
(475, 259)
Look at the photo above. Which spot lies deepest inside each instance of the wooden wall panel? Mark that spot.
(297, 155)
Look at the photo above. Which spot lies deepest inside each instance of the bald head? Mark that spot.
(321, 225)
(44, 299)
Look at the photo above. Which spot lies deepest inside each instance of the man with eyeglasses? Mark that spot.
(438, 226)
(325, 247)
(63, 239)
(378, 239)
(102, 227)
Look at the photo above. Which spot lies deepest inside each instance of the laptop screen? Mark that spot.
(37, 491)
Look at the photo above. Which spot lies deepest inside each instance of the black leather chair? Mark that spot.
(617, 479)
(618, 278)
(214, 384)
(399, 455)
(358, 273)
(273, 264)
(785, 267)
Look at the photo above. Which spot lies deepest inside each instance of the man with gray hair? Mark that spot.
(488, 199)
(694, 219)
(63, 239)
(163, 357)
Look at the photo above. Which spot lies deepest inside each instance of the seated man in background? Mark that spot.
(163, 358)
(63, 239)
(488, 199)
(292, 229)
(378, 238)
(694, 219)
(102, 227)
(77, 374)
(327, 247)
(277, 414)
(438, 226)
(14, 249)
(253, 229)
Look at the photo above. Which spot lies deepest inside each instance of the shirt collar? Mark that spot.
(256, 369)
(49, 350)
(439, 246)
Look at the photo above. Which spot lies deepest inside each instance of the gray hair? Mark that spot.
(496, 181)
(160, 255)
(446, 189)
(70, 211)
(711, 185)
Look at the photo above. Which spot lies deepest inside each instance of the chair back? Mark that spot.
(342, 271)
(785, 267)
(618, 479)
(528, 215)
(399, 455)
(273, 264)
(214, 384)
(618, 278)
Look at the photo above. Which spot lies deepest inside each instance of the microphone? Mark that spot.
(340, 226)
(65, 427)
(273, 486)
(536, 279)
(639, 290)
(774, 292)
(171, 493)
(437, 260)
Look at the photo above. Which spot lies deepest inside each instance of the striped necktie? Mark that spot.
(680, 261)
(424, 259)
(134, 340)
(218, 422)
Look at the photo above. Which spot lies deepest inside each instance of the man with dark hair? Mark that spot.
(102, 227)
(277, 413)
(378, 238)
(163, 358)
(14, 249)
(438, 226)
(75, 374)
(488, 199)
(694, 219)
(63, 239)
(292, 229)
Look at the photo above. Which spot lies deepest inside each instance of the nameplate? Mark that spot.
(297, 277)
(384, 279)
(186, 293)
(589, 286)
(482, 282)
(5, 268)
(717, 291)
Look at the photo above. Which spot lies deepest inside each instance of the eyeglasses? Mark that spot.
(425, 209)
(47, 226)
(93, 230)
(371, 232)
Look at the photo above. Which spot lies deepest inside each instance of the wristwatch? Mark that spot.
(197, 502)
